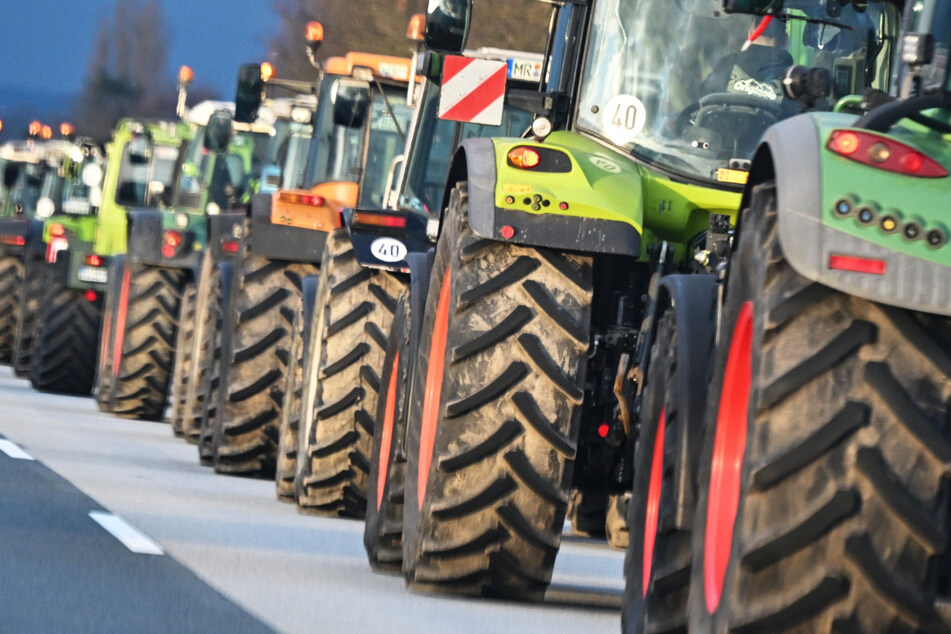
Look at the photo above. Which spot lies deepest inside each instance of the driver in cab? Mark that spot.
(758, 69)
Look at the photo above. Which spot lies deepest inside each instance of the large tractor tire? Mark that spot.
(31, 291)
(342, 367)
(660, 512)
(825, 479)
(259, 319)
(208, 365)
(11, 277)
(383, 530)
(494, 413)
(286, 467)
(182, 364)
(66, 342)
(145, 326)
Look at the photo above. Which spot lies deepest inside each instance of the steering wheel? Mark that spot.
(722, 101)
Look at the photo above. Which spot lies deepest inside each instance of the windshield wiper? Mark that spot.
(806, 18)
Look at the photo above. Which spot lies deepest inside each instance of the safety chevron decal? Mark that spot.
(473, 90)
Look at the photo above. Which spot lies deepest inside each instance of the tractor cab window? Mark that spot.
(29, 186)
(389, 122)
(145, 172)
(682, 85)
(435, 140)
(933, 18)
(336, 149)
(191, 176)
(82, 190)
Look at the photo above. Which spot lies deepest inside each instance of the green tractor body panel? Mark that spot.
(581, 178)
(111, 221)
(861, 229)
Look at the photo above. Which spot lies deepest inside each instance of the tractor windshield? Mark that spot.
(433, 143)
(680, 85)
(389, 122)
(29, 186)
(82, 191)
(145, 172)
(934, 18)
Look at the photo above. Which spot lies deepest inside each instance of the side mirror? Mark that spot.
(351, 102)
(218, 132)
(247, 100)
(447, 25)
(756, 7)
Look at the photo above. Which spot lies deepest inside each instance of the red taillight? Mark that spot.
(91, 295)
(378, 220)
(884, 153)
(857, 265)
(229, 246)
(301, 199)
(524, 157)
(171, 240)
(94, 260)
(17, 241)
(603, 430)
(57, 230)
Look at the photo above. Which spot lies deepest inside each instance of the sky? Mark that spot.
(45, 44)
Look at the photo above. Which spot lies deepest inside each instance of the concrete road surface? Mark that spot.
(111, 525)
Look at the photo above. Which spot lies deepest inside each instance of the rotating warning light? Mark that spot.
(35, 128)
(315, 31)
(524, 157)
(66, 129)
(185, 75)
(267, 71)
(47, 132)
(417, 28)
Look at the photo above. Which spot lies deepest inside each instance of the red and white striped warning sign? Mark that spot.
(473, 90)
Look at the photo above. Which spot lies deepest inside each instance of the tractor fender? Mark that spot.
(693, 300)
(420, 271)
(475, 162)
(280, 242)
(791, 153)
(144, 243)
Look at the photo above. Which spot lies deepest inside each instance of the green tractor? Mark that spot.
(532, 348)
(217, 169)
(86, 230)
(816, 494)
(285, 157)
(27, 173)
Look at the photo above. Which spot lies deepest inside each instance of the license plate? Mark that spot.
(94, 275)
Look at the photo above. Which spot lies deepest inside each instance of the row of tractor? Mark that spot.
(680, 279)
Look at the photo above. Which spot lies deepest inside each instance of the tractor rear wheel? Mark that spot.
(494, 413)
(31, 290)
(208, 368)
(825, 479)
(383, 531)
(182, 368)
(342, 366)
(290, 414)
(11, 277)
(145, 330)
(67, 338)
(259, 317)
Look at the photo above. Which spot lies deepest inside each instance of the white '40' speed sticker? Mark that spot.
(388, 249)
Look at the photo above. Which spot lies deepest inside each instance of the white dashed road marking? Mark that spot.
(130, 537)
(12, 450)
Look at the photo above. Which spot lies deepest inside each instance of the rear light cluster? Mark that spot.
(95, 260)
(301, 199)
(890, 222)
(379, 220)
(884, 153)
(16, 241)
(171, 240)
(57, 230)
(229, 246)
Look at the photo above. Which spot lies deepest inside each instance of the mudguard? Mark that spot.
(421, 269)
(693, 300)
(225, 227)
(146, 228)
(387, 247)
(279, 242)
(809, 181)
(476, 162)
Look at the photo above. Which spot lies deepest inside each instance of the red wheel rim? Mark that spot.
(433, 395)
(121, 311)
(387, 438)
(729, 444)
(653, 499)
(104, 341)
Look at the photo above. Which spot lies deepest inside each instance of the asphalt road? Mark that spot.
(110, 525)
